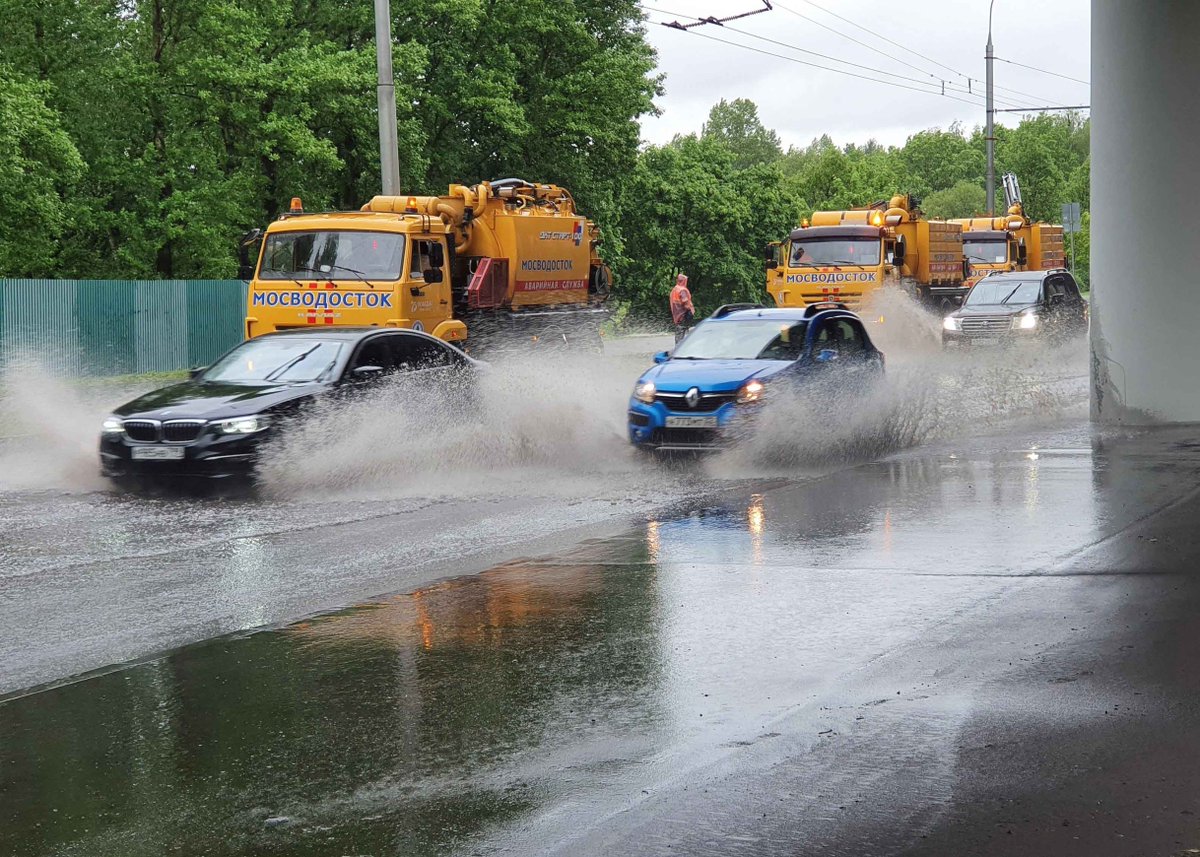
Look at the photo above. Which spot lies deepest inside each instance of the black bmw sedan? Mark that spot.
(214, 423)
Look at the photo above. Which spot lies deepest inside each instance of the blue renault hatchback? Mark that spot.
(730, 363)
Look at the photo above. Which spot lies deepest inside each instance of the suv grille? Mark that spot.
(182, 431)
(143, 430)
(708, 401)
(986, 325)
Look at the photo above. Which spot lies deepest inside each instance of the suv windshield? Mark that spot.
(987, 252)
(1002, 291)
(758, 338)
(344, 255)
(834, 251)
(287, 361)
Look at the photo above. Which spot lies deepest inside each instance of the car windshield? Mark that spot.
(998, 291)
(986, 252)
(758, 338)
(344, 255)
(834, 251)
(286, 361)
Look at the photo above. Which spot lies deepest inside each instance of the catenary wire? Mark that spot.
(1043, 71)
(936, 83)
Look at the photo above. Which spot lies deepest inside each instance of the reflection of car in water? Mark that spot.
(1016, 305)
(732, 361)
(214, 423)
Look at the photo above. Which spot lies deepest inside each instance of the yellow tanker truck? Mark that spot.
(1011, 242)
(846, 255)
(503, 254)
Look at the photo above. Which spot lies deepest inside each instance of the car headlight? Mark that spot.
(1025, 321)
(644, 391)
(951, 323)
(112, 425)
(243, 425)
(752, 391)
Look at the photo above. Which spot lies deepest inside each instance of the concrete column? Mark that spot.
(1145, 206)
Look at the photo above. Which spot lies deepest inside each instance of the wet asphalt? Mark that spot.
(983, 646)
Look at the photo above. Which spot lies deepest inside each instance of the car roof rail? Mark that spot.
(823, 306)
(725, 310)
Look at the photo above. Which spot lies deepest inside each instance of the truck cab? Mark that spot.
(365, 269)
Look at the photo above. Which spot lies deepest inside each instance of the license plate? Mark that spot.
(156, 453)
(985, 340)
(691, 422)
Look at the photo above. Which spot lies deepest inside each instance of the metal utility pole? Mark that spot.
(389, 156)
(991, 112)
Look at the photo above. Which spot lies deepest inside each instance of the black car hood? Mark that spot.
(213, 400)
(992, 309)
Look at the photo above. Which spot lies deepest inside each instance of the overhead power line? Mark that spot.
(937, 86)
(719, 21)
(827, 68)
(1044, 109)
(1042, 70)
(903, 47)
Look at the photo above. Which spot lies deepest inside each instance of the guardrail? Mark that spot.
(119, 327)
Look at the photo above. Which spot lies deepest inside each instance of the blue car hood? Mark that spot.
(677, 376)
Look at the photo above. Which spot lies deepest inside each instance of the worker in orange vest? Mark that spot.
(683, 313)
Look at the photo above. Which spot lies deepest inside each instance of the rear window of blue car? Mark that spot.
(748, 339)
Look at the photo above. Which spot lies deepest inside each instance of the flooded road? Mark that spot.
(810, 646)
(806, 668)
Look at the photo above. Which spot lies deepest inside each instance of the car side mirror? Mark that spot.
(826, 355)
(195, 372)
(662, 357)
(433, 275)
(366, 373)
(1022, 252)
(437, 257)
(771, 257)
(899, 251)
(245, 265)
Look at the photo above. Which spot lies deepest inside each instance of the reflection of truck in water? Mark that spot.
(846, 255)
(1011, 242)
(508, 254)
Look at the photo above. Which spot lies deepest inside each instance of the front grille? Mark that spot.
(142, 430)
(708, 401)
(848, 298)
(986, 325)
(182, 431)
(686, 436)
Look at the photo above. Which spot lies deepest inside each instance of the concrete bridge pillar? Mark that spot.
(1145, 208)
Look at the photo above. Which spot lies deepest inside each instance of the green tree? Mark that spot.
(39, 166)
(937, 159)
(736, 123)
(690, 209)
(965, 199)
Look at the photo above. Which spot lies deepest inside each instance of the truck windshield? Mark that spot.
(834, 251)
(752, 339)
(989, 291)
(287, 361)
(335, 255)
(986, 252)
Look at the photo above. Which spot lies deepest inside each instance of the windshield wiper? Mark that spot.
(270, 376)
(361, 276)
(1013, 292)
(984, 260)
(284, 275)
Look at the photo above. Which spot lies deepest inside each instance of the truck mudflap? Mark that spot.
(940, 297)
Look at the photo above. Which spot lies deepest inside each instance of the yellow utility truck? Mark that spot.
(846, 255)
(500, 255)
(1011, 242)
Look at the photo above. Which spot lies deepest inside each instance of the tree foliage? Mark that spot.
(736, 124)
(965, 199)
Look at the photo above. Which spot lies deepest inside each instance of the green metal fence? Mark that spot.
(118, 327)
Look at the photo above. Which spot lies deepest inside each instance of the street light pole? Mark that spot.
(389, 155)
(991, 112)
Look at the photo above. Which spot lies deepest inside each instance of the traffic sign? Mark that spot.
(1071, 218)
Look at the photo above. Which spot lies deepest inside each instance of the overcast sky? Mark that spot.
(939, 38)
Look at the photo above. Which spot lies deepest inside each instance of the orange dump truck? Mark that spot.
(1011, 242)
(508, 254)
(846, 255)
